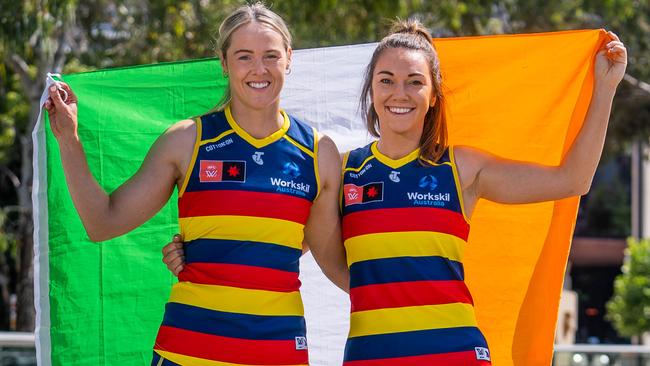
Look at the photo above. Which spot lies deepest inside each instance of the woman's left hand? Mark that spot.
(611, 61)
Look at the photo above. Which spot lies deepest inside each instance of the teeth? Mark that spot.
(260, 85)
(397, 110)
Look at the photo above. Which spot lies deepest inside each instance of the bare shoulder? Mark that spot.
(469, 156)
(329, 160)
(183, 132)
(175, 145)
(327, 151)
(469, 161)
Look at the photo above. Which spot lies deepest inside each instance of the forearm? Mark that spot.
(90, 200)
(338, 273)
(580, 163)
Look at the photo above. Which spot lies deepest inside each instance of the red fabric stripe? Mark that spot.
(398, 294)
(466, 358)
(226, 349)
(244, 203)
(239, 275)
(405, 219)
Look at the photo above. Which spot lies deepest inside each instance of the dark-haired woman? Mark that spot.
(407, 199)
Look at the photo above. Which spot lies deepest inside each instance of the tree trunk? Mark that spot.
(25, 312)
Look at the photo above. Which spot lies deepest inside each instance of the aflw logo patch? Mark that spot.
(371, 192)
(482, 353)
(222, 171)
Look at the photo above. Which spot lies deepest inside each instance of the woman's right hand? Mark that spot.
(62, 113)
(174, 255)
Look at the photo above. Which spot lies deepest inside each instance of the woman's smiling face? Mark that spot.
(256, 62)
(402, 91)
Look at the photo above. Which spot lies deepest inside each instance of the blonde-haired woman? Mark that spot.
(252, 183)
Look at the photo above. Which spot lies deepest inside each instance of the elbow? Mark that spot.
(583, 186)
(97, 235)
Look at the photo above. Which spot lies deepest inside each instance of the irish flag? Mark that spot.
(519, 96)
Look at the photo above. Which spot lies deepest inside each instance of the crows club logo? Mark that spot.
(371, 192)
(291, 169)
(482, 353)
(301, 343)
(222, 171)
(428, 181)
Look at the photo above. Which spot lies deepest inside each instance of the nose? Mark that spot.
(258, 67)
(399, 93)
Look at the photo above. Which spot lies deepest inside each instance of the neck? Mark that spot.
(396, 146)
(258, 122)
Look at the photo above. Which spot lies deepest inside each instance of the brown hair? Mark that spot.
(256, 12)
(412, 35)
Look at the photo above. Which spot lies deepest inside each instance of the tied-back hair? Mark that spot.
(411, 35)
(255, 12)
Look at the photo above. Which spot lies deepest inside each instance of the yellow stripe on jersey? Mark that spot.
(195, 152)
(299, 146)
(394, 163)
(316, 169)
(215, 139)
(188, 360)
(357, 169)
(261, 142)
(238, 300)
(243, 228)
(411, 318)
(389, 245)
(459, 190)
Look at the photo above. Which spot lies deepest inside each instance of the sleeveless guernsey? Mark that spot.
(242, 210)
(404, 231)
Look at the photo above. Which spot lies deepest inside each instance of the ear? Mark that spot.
(434, 99)
(289, 54)
(224, 64)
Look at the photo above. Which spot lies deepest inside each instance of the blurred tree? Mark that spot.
(37, 36)
(629, 308)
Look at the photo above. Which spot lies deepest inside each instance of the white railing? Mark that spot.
(603, 348)
(601, 355)
(17, 339)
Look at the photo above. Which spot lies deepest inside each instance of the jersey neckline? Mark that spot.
(394, 163)
(258, 142)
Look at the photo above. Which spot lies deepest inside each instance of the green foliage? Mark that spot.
(23, 23)
(112, 33)
(629, 308)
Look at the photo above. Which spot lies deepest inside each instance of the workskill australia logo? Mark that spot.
(430, 183)
(222, 171)
(292, 170)
(371, 192)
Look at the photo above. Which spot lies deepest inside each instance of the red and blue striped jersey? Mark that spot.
(404, 231)
(242, 210)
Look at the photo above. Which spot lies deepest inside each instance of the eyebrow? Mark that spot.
(409, 75)
(243, 50)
